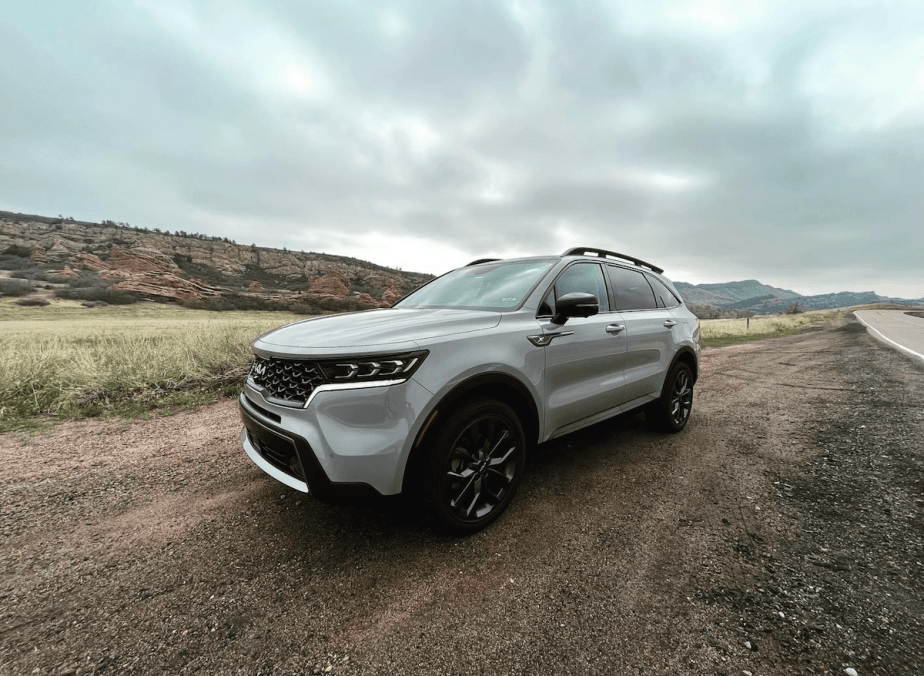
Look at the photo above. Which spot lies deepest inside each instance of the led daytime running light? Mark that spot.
(387, 367)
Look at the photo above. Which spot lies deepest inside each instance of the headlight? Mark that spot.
(397, 367)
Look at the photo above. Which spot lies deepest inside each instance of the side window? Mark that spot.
(584, 277)
(631, 289)
(665, 296)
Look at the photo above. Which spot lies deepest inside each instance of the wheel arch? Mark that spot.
(495, 385)
(688, 357)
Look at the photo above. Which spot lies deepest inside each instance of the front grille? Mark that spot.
(278, 452)
(289, 381)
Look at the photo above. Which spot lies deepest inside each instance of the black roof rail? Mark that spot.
(482, 260)
(603, 253)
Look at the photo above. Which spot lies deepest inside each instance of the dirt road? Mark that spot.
(781, 533)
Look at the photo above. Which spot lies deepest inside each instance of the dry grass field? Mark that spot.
(65, 360)
(721, 332)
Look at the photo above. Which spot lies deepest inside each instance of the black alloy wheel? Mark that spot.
(476, 465)
(672, 411)
(681, 403)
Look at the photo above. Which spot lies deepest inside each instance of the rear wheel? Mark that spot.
(672, 411)
(475, 465)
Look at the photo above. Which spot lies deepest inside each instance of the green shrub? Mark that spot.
(15, 287)
(18, 251)
(85, 281)
(34, 272)
(14, 262)
(33, 302)
(101, 293)
(58, 279)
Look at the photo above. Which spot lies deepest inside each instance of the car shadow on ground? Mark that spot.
(556, 469)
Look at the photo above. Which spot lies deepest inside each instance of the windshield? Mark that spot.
(489, 286)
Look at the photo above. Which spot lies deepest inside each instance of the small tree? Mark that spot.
(795, 309)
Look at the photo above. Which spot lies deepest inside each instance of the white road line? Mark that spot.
(888, 340)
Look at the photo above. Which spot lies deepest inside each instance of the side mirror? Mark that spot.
(575, 304)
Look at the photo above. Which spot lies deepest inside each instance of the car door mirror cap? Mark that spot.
(575, 304)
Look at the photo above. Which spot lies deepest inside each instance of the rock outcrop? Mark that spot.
(175, 265)
(331, 284)
(167, 285)
(149, 272)
(66, 272)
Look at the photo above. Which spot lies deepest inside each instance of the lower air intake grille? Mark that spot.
(278, 452)
(289, 381)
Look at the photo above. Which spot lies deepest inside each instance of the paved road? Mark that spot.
(895, 327)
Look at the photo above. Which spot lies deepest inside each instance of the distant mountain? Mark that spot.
(729, 293)
(762, 299)
(831, 300)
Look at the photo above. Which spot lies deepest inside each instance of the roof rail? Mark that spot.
(482, 260)
(603, 253)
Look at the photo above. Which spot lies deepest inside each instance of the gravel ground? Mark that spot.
(780, 533)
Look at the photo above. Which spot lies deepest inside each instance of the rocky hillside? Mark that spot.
(187, 267)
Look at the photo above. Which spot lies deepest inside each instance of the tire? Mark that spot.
(672, 411)
(475, 465)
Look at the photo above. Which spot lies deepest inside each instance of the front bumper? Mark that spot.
(348, 443)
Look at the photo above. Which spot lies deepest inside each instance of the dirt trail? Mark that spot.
(780, 533)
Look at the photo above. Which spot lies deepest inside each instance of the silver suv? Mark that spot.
(444, 393)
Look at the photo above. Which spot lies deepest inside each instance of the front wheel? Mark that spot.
(475, 465)
(672, 411)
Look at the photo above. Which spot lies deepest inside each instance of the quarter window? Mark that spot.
(665, 296)
(631, 289)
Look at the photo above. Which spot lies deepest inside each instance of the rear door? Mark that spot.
(649, 332)
(585, 358)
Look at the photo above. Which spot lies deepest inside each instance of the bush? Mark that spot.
(304, 305)
(15, 287)
(110, 296)
(14, 262)
(87, 281)
(33, 302)
(34, 272)
(94, 303)
(235, 302)
(374, 291)
(18, 250)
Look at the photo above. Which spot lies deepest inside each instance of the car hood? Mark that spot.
(390, 327)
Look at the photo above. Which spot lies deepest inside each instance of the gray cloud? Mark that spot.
(722, 143)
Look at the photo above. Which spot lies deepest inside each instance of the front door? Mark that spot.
(584, 373)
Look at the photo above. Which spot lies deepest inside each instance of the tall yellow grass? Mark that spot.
(718, 332)
(56, 359)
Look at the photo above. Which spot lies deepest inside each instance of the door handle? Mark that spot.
(670, 323)
(615, 328)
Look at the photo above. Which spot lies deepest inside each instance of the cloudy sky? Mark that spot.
(720, 139)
